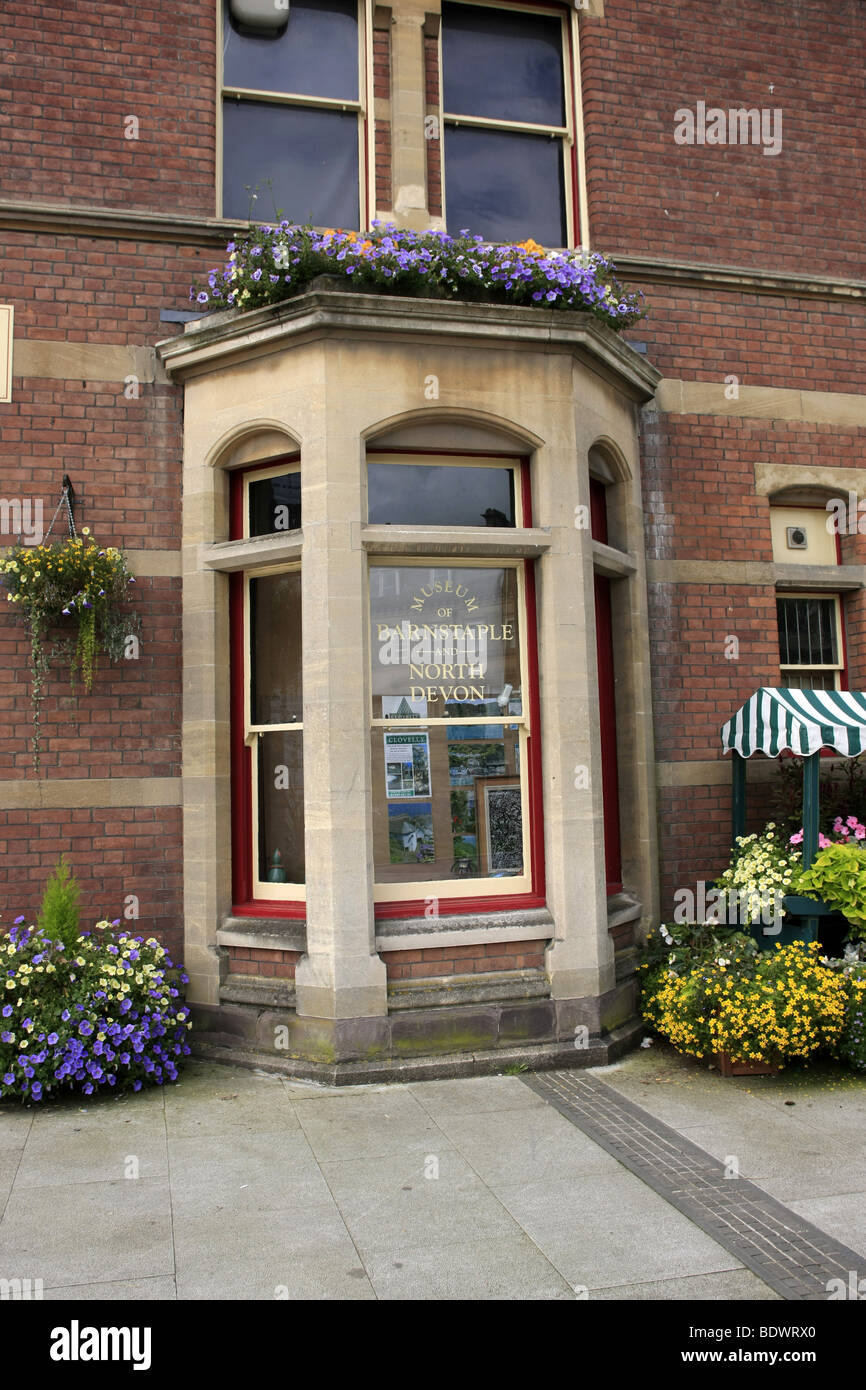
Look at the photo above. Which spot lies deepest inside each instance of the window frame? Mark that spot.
(406, 900)
(363, 107)
(250, 894)
(568, 135)
(442, 458)
(838, 668)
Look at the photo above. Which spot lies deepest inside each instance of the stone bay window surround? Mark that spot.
(401, 693)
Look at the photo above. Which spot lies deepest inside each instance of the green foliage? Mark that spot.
(59, 916)
(838, 875)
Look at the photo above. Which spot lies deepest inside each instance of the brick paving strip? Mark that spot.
(790, 1254)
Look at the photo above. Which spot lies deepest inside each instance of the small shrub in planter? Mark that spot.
(103, 1012)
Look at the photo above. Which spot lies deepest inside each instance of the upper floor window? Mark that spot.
(292, 118)
(425, 491)
(506, 99)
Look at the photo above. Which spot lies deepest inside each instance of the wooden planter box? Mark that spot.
(728, 1067)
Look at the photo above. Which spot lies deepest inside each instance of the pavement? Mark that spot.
(235, 1184)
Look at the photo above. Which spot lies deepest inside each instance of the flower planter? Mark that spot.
(729, 1067)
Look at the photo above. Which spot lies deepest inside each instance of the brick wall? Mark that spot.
(64, 141)
(116, 854)
(271, 965)
(800, 210)
(435, 961)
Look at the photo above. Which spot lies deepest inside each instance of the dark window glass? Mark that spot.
(275, 504)
(424, 495)
(275, 649)
(281, 807)
(304, 162)
(501, 65)
(807, 631)
(315, 55)
(504, 186)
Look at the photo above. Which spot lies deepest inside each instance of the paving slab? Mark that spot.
(409, 1200)
(15, 1124)
(120, 1291)
(207, 1110)
(722, 1287)
(82, 1233)
(369, 1126)
(506, 1147)
(842, 1216)
(92, 1155)
(605, 1229)
(478, 1270)
(474, 1095)
(271, 1170)
(306, 1253)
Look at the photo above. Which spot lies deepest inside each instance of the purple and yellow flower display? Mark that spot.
(269, 264)
(105, 1014)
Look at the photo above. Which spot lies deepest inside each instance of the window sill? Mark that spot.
(263, 933)
(457, 540)
(256, 552)
(410, 933)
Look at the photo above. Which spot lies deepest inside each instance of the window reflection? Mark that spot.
(440, 495)
(315, 55)
(502, 65)
(505, 186)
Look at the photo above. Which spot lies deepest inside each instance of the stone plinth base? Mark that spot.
(421, 1042)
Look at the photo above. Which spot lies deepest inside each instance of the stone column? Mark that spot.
(341, 976)
(409, 152)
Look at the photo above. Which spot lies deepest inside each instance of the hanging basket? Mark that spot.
(74, 583)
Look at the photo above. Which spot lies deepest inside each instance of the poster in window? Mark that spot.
(407, 765)
(410, 833)
(466, 761)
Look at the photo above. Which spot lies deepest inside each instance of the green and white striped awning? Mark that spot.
(804, 721)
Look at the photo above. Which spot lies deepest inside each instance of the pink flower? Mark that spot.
(796, 839)
(860, 832)
(823, 842)
(853, 822)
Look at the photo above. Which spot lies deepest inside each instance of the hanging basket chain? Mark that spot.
(64, 502)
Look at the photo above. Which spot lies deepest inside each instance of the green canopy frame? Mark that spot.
(774, 720)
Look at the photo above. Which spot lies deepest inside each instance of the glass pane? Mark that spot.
(446, 808)
(275, 504)
(503, 186)
(281, 807)
(807, 631)
(445, 642)
(316, 55)
(275, 649)
(506, 66)
(421, 495)
(309, 156)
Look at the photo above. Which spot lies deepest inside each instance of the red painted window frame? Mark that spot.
(243, 902)
(606, 698)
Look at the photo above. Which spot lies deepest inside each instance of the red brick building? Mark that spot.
(713, 151)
